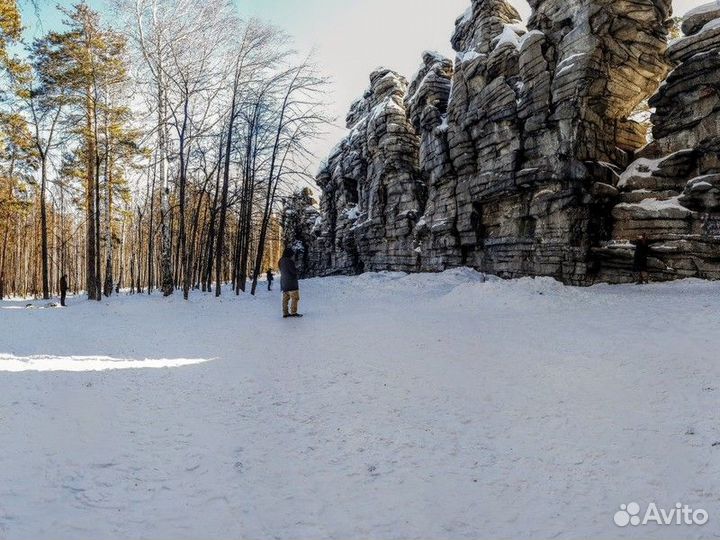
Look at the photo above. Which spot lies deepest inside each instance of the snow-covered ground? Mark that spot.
(423, 406)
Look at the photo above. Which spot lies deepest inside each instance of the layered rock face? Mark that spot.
(512, 157)
(536, 130)
(372, 193)
(671, 192)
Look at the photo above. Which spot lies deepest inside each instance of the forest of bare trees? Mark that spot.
(152, 153)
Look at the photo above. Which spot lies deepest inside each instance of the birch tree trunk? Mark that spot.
(108, 286)
(166, 254)
(44, 227)
(90, 254)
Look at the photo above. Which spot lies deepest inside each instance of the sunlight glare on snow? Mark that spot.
(9, 362)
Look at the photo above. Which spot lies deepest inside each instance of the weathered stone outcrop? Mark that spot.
(372, 193)
(518, 157)
(671, 192)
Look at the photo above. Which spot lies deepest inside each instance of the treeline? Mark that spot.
(153, 153)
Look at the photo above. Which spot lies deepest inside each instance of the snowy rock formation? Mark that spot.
(672, 191)
(372, 192)
(520, 157)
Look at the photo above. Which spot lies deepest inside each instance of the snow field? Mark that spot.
(402, 406)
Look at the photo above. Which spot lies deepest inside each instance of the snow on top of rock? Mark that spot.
(619, 244)
(703, 178)
(696, 18)
(700, 185)
(428, 56)
(528, 38)
(352, 213)
(703, 9)
(434, 56)
(519, 26)
(641, 116)
(444, 125)
(468, 56)
(412, 97)
(386, 104)
(466, 16)
(509, 36)
(384, 80)
(660, 204)
(389, 76)
(640, 167)
(680, 43)
(712, 25)
(356, 129)
(657, 208)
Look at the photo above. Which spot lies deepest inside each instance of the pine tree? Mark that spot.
(17, 154)
(10, 29)
(86, 62)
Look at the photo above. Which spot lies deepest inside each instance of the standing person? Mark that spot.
(63, 289)
(2, 286)
(270, 278)
(640, 261)
(289, 284)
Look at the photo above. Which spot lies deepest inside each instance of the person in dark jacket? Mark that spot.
(63, 289)
(289, 284)
(270, 278)
(640, 261)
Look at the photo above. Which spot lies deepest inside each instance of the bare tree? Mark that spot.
(255, 54)
(196, 75)
(44, 107)
(299, 119)
(221, 117)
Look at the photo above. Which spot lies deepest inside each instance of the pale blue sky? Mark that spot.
(351, 37)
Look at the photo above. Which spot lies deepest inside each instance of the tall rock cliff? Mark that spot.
(671, 193)
(520, 157)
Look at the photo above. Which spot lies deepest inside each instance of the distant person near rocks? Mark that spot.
(289, 284)
(270, 278)
(63, 289)
(640, 262)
